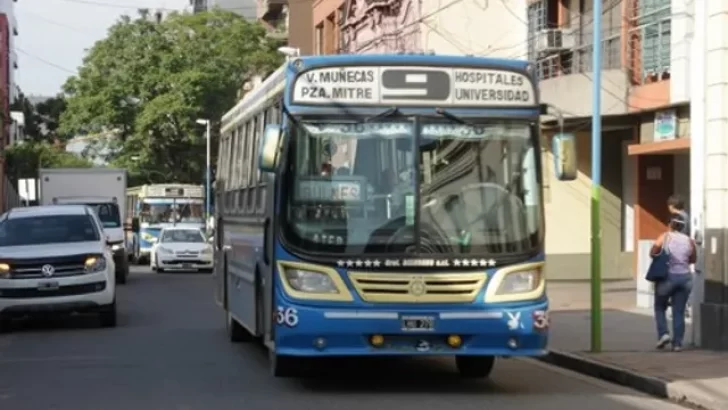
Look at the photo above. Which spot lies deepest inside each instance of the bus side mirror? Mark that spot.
(563, 147)
(268, 155)
(135, 225)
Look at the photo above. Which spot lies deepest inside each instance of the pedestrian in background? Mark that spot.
(676, 205)
(677, 286)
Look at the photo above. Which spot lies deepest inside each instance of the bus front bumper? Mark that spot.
(517, 330)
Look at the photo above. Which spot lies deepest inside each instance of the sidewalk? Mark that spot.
(694, 377)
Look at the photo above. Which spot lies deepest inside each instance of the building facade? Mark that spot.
(645, 117)
(8, 91)
(442, 27)
(246, 8)
(289, 21)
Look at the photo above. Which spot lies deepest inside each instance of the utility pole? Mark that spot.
(207, 167)
(596, 174)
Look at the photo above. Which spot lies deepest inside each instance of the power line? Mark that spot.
(137, 7)
(55, 23)
(399, 30)
(44, 61)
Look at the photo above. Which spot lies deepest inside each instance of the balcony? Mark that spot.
(271, 10)
(278, 30)
(198, 6)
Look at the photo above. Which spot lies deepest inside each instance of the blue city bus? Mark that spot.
(156, 206)
(373, 205)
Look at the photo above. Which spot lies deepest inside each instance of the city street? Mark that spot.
(170, 352)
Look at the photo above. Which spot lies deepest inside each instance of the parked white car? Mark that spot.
(55, 259)
(181, 248)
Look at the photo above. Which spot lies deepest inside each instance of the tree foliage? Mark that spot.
(148, 82)
(22, 160)
(42, 119)
(43, 146)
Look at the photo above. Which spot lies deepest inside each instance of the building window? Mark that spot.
(340, 21)
(542, 15)
(319, 40)
(650, 40)
(536, 23)
(331, 46)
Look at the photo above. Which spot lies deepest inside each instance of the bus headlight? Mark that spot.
(312, 282)
(519, 282)
(516, 283)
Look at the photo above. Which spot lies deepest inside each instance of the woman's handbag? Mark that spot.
(658, 269)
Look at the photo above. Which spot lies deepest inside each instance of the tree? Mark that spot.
(42, 119)
(23, 159)
(147, 82)
(24, 105)
(49, 115)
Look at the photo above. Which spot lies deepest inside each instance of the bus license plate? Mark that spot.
(418, 323)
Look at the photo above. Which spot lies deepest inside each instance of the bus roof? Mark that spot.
(424, 60)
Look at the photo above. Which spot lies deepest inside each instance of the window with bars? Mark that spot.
(537, 21)
(653, 25)
(542, 15)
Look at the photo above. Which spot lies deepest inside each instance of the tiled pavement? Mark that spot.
(628, 356)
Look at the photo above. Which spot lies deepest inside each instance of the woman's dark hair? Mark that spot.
(677, 222)
(677, 202)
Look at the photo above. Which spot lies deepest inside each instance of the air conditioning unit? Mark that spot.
(554, 40)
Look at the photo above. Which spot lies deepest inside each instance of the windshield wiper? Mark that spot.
(389, 112)
(450, 116)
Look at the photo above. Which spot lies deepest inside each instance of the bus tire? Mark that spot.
(475, 367)
(236, 332)
(284, 366)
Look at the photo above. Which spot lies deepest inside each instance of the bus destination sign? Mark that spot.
(414, 86)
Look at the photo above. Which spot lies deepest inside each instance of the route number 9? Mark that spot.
(400, 84)
(287, 316)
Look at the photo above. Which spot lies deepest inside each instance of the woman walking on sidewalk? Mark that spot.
(676, 288)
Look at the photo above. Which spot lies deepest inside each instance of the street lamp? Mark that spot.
(206, 123)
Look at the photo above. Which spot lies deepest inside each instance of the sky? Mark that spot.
(54, 34)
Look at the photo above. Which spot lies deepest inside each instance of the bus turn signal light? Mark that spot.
(377, 340)
(454, 341)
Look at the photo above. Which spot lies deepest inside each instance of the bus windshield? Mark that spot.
(468, 189)
(170, 211)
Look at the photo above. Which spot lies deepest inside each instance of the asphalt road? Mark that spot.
(170, 352)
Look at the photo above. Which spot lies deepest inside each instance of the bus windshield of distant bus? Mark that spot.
(366, 188)
(168, 210)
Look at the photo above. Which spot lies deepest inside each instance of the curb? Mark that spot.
(628, 378)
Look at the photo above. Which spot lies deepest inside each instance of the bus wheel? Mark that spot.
(284, 366)
(236, 332)
(474, 367)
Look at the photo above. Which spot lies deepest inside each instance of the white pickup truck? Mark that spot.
(104, 190)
